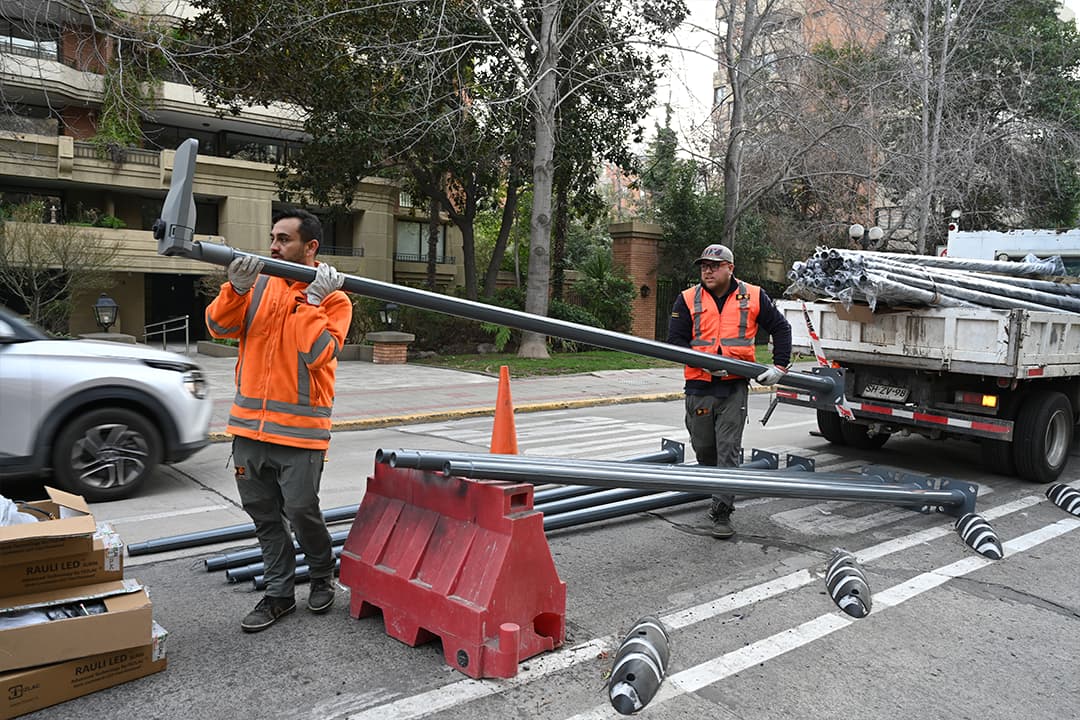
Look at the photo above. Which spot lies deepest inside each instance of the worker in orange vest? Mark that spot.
(721, 315)
(290, 335)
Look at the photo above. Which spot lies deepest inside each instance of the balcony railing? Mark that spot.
(135, 156)
(341, 251)
(38, 53)
(413, 257)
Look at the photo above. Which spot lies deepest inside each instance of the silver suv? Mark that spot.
(98, 416)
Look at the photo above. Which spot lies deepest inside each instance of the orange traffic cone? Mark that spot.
(503, 434)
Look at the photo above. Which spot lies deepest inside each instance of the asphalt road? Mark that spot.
(753, 633)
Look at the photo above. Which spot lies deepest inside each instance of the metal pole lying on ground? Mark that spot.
(530, 469)
(225, 534)
(953, 497)
(175, 234)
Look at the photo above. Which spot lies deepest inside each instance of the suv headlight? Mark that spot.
(195, 383)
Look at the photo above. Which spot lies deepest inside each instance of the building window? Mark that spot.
(167, 137)
(412, 242)
(21, 41)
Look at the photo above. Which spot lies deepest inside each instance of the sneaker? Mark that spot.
(267, 612)
(321, 595)
(720, 518)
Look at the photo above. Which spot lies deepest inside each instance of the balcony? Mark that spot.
(417, 258)
(341, 251)
(135, 156)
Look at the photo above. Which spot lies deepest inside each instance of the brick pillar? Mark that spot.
(391, 347)
(635, 246)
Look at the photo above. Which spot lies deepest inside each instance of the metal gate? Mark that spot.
(666, 292)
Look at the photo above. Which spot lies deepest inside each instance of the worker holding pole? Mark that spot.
(290, 335)
(721, 315)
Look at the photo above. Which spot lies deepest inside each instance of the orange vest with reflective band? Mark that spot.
(287, 362)
(729, 331)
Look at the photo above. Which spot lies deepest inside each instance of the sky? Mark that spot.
(688, 85)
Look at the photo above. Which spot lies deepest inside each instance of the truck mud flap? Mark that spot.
(952, 423)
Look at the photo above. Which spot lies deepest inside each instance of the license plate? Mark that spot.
(885, 392)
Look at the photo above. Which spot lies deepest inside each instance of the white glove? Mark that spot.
(243, 271)
(326, 281)
(772, 375)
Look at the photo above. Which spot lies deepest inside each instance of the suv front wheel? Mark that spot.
(106, 454)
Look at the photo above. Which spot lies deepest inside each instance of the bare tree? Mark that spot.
(795, 116)
(42, 265)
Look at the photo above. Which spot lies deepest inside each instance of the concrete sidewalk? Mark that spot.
(370, 395)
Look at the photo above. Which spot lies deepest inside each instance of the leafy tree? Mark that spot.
(605, 292)
(995, 130)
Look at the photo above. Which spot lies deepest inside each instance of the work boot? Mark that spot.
(321, 595)
(720, 517)
(267, 612)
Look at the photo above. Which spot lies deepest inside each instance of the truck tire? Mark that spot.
(997, 457)
(106, 454)
(855, 436)
(1042, 436)
(829, 423)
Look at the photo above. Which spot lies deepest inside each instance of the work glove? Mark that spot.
(243, 271)
(772, 375)
(326, 281)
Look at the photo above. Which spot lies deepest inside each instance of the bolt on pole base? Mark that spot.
(966, 492)
(799, 461)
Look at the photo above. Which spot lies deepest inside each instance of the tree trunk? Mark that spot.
(534, 345)
(465, 223)
(738, 62)
(558, 242)
(491, 278)
(933, 99)
(433, 241)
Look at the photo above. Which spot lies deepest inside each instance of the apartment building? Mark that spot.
(53, 61)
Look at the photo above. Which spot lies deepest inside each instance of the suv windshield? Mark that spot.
(14, 329)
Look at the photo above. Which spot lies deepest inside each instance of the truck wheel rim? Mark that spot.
(1058, 436)
(109, 456)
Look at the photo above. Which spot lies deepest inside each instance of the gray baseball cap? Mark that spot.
(716, 253)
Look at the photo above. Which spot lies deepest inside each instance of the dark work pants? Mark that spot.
(716, 427)
(279, 487)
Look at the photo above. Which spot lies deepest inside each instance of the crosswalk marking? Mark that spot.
(559, 435)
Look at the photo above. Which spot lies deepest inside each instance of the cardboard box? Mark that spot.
(104, 563)
(24, 691)
(69, 532)
(126, 623)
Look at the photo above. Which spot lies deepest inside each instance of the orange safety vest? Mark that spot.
(730, 332)
(287, 362)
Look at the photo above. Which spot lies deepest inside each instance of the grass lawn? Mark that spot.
(559, 363)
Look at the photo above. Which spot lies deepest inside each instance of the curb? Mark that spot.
(386, 421)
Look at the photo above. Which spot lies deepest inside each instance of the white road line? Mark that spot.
(461, 691)
(160, 515)
(734, 601)
(614, 437)
(719, 668)
(788, 425)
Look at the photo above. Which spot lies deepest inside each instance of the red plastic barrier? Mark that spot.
(464, 560)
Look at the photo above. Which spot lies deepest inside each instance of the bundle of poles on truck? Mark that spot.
(919, 280)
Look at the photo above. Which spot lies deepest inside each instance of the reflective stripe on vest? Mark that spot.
(730, 331)
(269, 412)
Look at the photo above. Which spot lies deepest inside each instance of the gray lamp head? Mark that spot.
(175, 229)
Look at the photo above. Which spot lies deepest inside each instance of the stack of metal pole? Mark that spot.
(572, 504)
(894, 279)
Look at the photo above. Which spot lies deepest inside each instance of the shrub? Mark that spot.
(605, 293)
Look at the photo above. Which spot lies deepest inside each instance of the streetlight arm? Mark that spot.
(173, 239)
